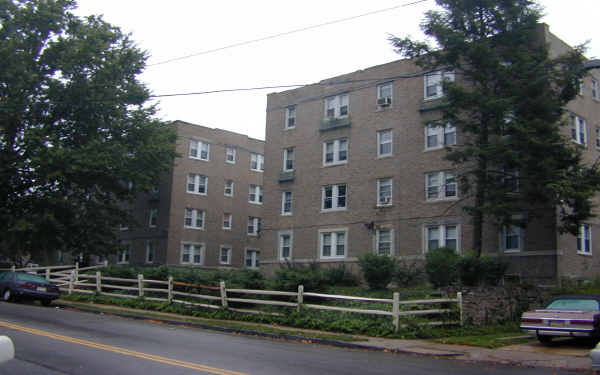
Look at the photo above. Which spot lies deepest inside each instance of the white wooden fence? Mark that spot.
(97, 284)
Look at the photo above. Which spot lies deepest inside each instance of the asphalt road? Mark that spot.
(53, 341)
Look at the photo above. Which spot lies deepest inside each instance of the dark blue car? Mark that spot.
(20, 285)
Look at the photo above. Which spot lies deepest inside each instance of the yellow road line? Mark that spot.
(115, 349)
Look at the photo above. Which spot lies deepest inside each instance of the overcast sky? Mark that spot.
(175, 28)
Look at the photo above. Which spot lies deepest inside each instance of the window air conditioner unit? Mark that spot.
(385, 201)
(384, 102)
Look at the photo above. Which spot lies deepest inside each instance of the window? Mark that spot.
(199, 150)
(288, 159)
(123, 227)
(441, 236)
(336, 106)
(512, 238)
(333, 243)
(255, 194)
(286, 203)
(257, 162)
(194, 218)
(192, 253)
(584, 239)
(150, 251)
(580, 86)
(440, 185)
(285, 245)
(434, 83)
(124, 252)
(384, 192)
(595, 93)
(384, 242)
(290, 117)
(197, 184)
(384, 143)
(227, 217)
(334, 197)
(252, 258)
(229, 188)
(578, 130)
(335, 152)
(437, 136)
(384, 94)
(225, 254)
(230, 155)
(253, 226)
(153, 217)
(598, 138)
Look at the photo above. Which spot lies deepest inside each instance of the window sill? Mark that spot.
(256, 170)
(511, 251)
(195, 228)
(194, 193)
(384, 205)
(431, 149)
(230, 162)
(587, 254)
(228, 196)
(286, 214)
(441, 200)
(256, 203)
(226, 228)
(384, 156)
(335, 164)
(193, 158)
(333, 210)
(252, 234)
(291, 128)
(333, 257)
(383, 108)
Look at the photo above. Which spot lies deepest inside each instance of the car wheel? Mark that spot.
(544, 339)
(46, 302)
(7, 295)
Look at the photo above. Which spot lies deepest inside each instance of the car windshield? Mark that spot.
(574, 304)
(30, 277)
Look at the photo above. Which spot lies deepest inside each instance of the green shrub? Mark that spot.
(340, 276)
(290, 276)
(494, 269)
(470, 270)
(378, 270)
(441, 266)
(408, 273)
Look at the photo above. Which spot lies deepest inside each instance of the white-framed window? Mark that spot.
(230, 155)
(253, 225)
(512, 238)
(257, 162)
(332, 243)
(384, 192)
(290, 117)
(584, 239)
(228, 188)
(336, 106)
(251, 259)
(442, 236)
(384, 143)
(384, 241)
(433, 86)
(440, 185)
(197, 184)
(595, 92)
(285, 245)
(288, 159)
(286, 203)
(225, 254)
(255, 194)
(334, 197)
(192, 253)
(578, 130)
(384, 94)
(335, 151)
(580, 86)
(124, 252)
(123, 227)
(227, 219)
(153, 220)
(150, 251)
(438, 136)
(194, 218)
(199, 150)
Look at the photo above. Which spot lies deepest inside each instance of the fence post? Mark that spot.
(396, 311)
(141, 285)
(170, 289)
(13, 268)
(459, 298)
(105, 263)
(76, 271)
(223, 294)
(98, 282)
(300, 297)
(71, 282)
(47, 273)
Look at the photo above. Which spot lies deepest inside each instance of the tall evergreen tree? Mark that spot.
(77, 138)
(508, 101)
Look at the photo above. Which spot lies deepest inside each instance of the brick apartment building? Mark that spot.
(208, 210)
(352, 168)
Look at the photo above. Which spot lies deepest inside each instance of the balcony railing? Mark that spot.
(335, 123)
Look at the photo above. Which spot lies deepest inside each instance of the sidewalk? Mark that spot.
(529, 355)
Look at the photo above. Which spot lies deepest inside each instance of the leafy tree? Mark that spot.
(77, 141)
(509, 103)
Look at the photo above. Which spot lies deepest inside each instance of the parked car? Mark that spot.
(569, 315)
(18, 285)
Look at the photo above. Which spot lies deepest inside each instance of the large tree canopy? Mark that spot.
(508, 102)
(77, 140)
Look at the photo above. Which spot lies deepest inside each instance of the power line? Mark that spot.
(286, 33)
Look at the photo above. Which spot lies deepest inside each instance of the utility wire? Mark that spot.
(286, 33)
